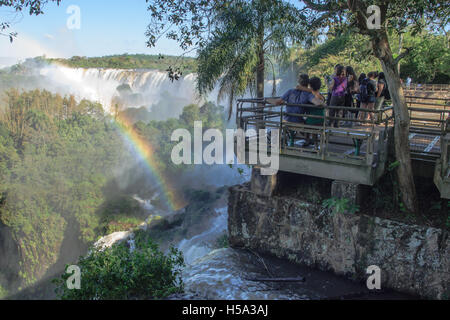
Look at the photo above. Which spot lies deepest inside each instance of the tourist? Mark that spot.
(328, 80)
(338, 87)
(408, 83)
(367, 91)
(361, 78)
(315, 98)
(293, 96)
(352, 90)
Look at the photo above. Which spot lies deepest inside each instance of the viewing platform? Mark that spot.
(356, 151)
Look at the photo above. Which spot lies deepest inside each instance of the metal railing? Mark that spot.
(446, 160)
(357, 146)
(429, 122)
(356, 140)
(427, 87)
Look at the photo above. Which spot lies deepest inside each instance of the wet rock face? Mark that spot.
(413, 259)
(346, 190)
(261, 184)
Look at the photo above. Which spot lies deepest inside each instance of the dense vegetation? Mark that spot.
(56, 158)
(60, 162)
(9, 80)
(131, 61)
(122, 273)
(427, 62)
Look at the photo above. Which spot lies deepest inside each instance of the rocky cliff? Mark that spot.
(413, 259)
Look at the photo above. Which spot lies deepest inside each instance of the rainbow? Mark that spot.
(145, 151)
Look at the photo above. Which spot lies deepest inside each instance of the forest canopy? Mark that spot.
(131, 61)
(427, 62)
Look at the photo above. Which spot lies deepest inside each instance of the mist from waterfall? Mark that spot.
(151, 89)
(148, 87)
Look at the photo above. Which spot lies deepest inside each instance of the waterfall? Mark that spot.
(200, 245)
(148, 87)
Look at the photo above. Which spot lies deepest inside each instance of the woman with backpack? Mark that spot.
(367, 91)
(361, 78)
(338, 89)
(352, 90)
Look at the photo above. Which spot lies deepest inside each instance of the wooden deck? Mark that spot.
(356, 151)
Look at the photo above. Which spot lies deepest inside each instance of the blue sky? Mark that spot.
(107, 27)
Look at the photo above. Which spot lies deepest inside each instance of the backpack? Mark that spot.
(364, 90)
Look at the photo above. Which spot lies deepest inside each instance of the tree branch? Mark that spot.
(316, 6)
(325, 7)
(402, 55)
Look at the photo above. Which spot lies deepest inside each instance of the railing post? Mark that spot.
(282, 139)
(323, 139)
(238, 115)
(369, 153)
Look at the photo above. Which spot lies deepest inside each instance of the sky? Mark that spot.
(106, 27)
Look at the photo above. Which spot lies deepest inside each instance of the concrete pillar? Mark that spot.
(262, 185)
(347, 190)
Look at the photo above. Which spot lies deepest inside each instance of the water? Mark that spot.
(201, 244)
(149, 87)
(234, 274)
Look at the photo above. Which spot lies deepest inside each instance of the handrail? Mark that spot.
(429, 136)
(264, 115)
(431, 121)
(426, 87)
(426, 98)
(264, 104)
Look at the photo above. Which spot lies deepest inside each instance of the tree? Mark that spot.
(34, 7)
(357, 16)
(234, 39)
(349, 49)
(429, 59)
(246, 34)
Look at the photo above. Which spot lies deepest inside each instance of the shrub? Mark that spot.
(119, 273)
(340, 206)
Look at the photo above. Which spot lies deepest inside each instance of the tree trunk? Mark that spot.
(400, 48)
(261, 61)
(261, 184)
(260, 68)
(383, 52)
